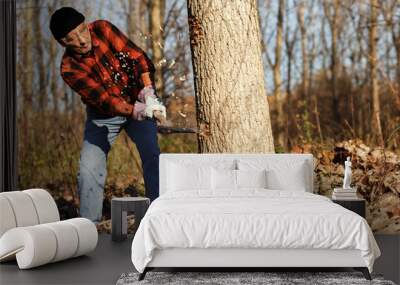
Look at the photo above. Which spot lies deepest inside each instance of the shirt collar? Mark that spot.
(95, 41)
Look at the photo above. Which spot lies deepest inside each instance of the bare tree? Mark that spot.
(53, 69)
(373, 63)
(388, 8)
(314, 96)
(276, 67)
(157, 11)
(290, 41)
(232, 107)
(301, 6)
(332, 14)
(132, 7)
(26, 66)
(39, 55)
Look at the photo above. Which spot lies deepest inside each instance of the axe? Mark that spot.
(165, 128)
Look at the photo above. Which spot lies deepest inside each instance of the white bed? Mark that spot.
(248, 226)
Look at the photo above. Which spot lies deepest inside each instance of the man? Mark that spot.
(115, 79)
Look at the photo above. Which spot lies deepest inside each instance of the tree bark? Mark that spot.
(133, 19)
(53, 68)
(232, 107)
(304, 55)
(42, 95)
(356, 58)
(376, 121)
(289, 112)
(278, 76)
(290, 41)
(314, 95)
(333, 20)
(157, 10)
(26, 75)
(144, 23)
(388, 10)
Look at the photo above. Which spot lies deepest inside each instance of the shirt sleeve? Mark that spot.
(93, 93)
(120, 42)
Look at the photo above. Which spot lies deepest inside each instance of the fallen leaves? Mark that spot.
(376, 174)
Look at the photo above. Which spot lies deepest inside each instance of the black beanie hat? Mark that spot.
(65, 20)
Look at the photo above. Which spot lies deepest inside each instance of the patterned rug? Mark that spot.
(270, 278)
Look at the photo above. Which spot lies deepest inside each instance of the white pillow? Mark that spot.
(292, 180)
(251, 178)
(281, 174)
(223, 179)
(182, 177)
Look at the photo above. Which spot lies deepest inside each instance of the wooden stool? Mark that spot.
(119, 211)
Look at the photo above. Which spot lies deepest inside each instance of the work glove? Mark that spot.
(145, 92)
(153, 103)
(138, 112)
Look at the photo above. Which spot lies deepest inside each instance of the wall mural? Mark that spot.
(322, 92)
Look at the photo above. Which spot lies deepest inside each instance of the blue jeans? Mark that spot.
(100, 133)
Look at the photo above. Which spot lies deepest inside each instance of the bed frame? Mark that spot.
(242, 258)
(259, 258)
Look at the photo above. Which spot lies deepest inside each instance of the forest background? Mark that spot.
(332, 79)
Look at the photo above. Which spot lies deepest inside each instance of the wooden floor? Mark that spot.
(110, 259)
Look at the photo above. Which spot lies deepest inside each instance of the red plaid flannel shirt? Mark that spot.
(109, 77)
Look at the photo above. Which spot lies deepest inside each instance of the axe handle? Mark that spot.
(170, 130)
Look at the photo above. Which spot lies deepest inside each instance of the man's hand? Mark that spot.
(154, 107)
(146, 92)
(154, 104)
(159, 117)
(138, 112)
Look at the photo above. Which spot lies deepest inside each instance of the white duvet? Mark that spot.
(250, 218)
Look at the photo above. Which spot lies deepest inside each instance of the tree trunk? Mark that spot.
(314, 95)
(53, 76)
(358, 56)
(398, 75)
(376, 121)
(232, 107)
(66, 96)
(134, 32)
(53, 68)
(157, 9)
(290, 41)
(333, 19)
(40, 67)
(144, 23)
(26, 76)
(304, 55)
(388, 10)
(278, 77)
